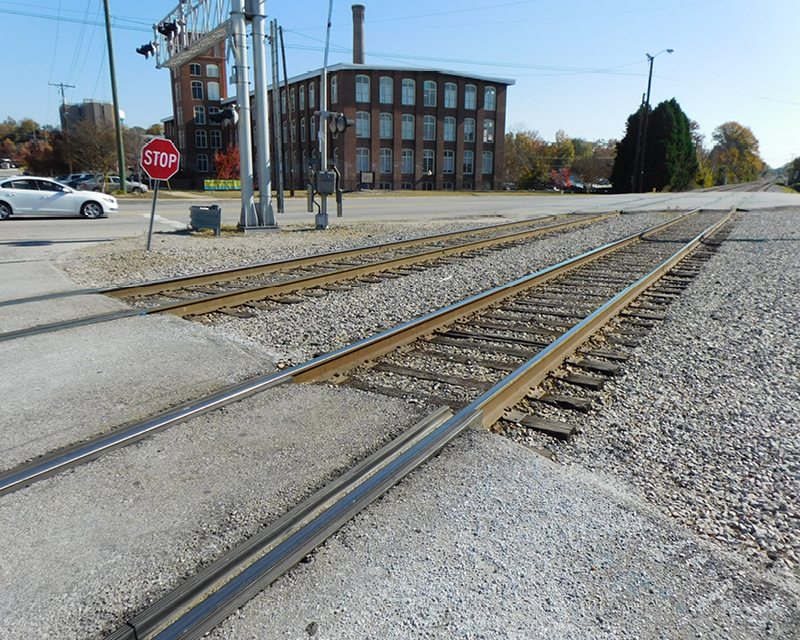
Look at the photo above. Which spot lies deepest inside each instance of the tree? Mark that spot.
(670, 160)
(735, 156)
(93, 147)
(793, 174)
(133, 140)
(227, 164)
(593, 168)
(155, 130)
(526, 161)
(8, 149)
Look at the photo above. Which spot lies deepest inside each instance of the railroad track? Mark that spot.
(501, 345)
(232, 290)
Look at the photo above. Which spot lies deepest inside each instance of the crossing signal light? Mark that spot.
(338, 123)
(148, 49)
(169, 29)
(224, 115)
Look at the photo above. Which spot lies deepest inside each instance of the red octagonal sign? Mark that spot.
(160, 159)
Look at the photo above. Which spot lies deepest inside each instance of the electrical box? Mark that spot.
(326, 182)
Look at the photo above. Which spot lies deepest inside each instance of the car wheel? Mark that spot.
(91, 210)
(5, 211)
(96, 189)
(136, 190)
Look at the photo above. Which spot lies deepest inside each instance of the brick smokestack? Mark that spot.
(358, 33)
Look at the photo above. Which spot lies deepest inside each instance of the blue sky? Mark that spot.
(580, 67)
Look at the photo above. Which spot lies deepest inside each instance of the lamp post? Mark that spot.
(639, 168)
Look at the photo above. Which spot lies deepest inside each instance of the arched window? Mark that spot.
(428, 128)
(216, 138)
(362, 159)
(334, 89)
(199, 115)
(450, 95)
(469, 130)
(449, 161)
(407, 132)
(490, 98)
(386, 160)
(407, 161)
(428, 164)
(212, 71)
(213, 90)
(386, 90)
(486, 164)
(470, 96)
(429, 93)
(449, 129)
(409, 89)
(488, 130)
(362, 124)
(312, 95)
(302, 129)
(302, 97)
(197, 90)
(195, 69)
(362, 88)
(200, 139)
(469, 162)
(386, 125)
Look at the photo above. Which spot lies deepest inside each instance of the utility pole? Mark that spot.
(640, 165)
(277, 118)
(266, 211)
(117, 123)
(61, 87)
(292, 128)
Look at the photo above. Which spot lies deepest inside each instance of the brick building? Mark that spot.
(198, 87)
(416, 128)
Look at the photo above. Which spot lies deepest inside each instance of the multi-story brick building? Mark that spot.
(416, 128)
(198, 87)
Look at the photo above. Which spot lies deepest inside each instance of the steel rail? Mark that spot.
(322, 367)
(233, 273)
(215, 302)
(483, 411)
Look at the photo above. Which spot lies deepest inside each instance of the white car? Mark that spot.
(26, 195)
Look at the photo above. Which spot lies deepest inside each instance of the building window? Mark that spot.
(469, 130)
(386, 160)
(447, 186)
(216, 138)
(200, 138)
(429, 93)
(449, 162)
(407, 161)
(450, 95)
(362, 88)
(304, 168)
(302, 97)
(312, 95)
(386, 186)
(449, 129)
(283, 101)
(302, 129)
(334, 89)
(285, 134)
(199, 115)
(470, 96)
(197, 90)
(386, 125)
(467, 186)
(427, 186)
(212, 71)
(291, 99)
(335, 156)
(362, 159)
(362, 124)
(428, 164)
(213, 90)
(407, 128)
(407, 186)
(428, 128)
(386, 90)
(202, 163)
(195, 69)
(490, 98)
(181, 138)
(469, 163)
(214, 110)
(486, 164)
(294, 131)
(409, 89)
(488, 130)
(313, 128)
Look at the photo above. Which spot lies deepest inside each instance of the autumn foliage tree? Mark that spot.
(227, 164)
(735, 157)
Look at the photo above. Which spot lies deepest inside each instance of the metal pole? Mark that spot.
(640, 168)
(322, 217)
(276, 113)
(152, 214)
(291, 119)
(115, 100)
(266, 212)
(248, 217)
(635, 169)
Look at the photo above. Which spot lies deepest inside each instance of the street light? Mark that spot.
(639, 164)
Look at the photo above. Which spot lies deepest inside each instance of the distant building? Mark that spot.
(89, 111)
(197, 89)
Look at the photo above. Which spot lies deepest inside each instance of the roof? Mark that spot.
(346, 66)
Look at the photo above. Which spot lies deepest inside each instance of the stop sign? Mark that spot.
(160, 159)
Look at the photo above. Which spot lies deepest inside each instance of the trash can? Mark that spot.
(210, 217)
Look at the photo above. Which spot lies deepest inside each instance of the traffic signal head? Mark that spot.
(224, 115)
(148, 49)
(169, 29)
(338, 123)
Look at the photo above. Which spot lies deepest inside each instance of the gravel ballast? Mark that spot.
(674, 513)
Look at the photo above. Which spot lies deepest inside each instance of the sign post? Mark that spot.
(160, 160)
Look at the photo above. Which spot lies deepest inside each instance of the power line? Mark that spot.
(117, 24)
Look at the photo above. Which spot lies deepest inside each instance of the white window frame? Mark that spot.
(385, 90)
(449, 134)
(213, 91)
(429, 128)
(385, 160)
(215, 138)
(487, 162)
(469, 162)
(429, 93)
(200, 139)
(490, 99)
(362, 124)
(407, 127)
(197, 90)
(212, 71)
(334, 89)
(302, 129)
(385, 126)
(470, 97)
(449, 161)
(362, 88)
(450, 95)
(202, 163)
(312, 95)
(407, 161)
(195, 70)
(469, 129)
(409, 90)
(428, 161)
(199, 114)
(301, 97)
(488, 130)
(362, 159)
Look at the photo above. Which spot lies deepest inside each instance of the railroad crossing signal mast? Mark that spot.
(192, 28)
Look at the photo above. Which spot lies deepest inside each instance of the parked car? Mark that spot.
(73, 179)
(108, 184)
(26, 195)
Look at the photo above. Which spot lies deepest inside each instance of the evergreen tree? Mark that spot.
(670, 161)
